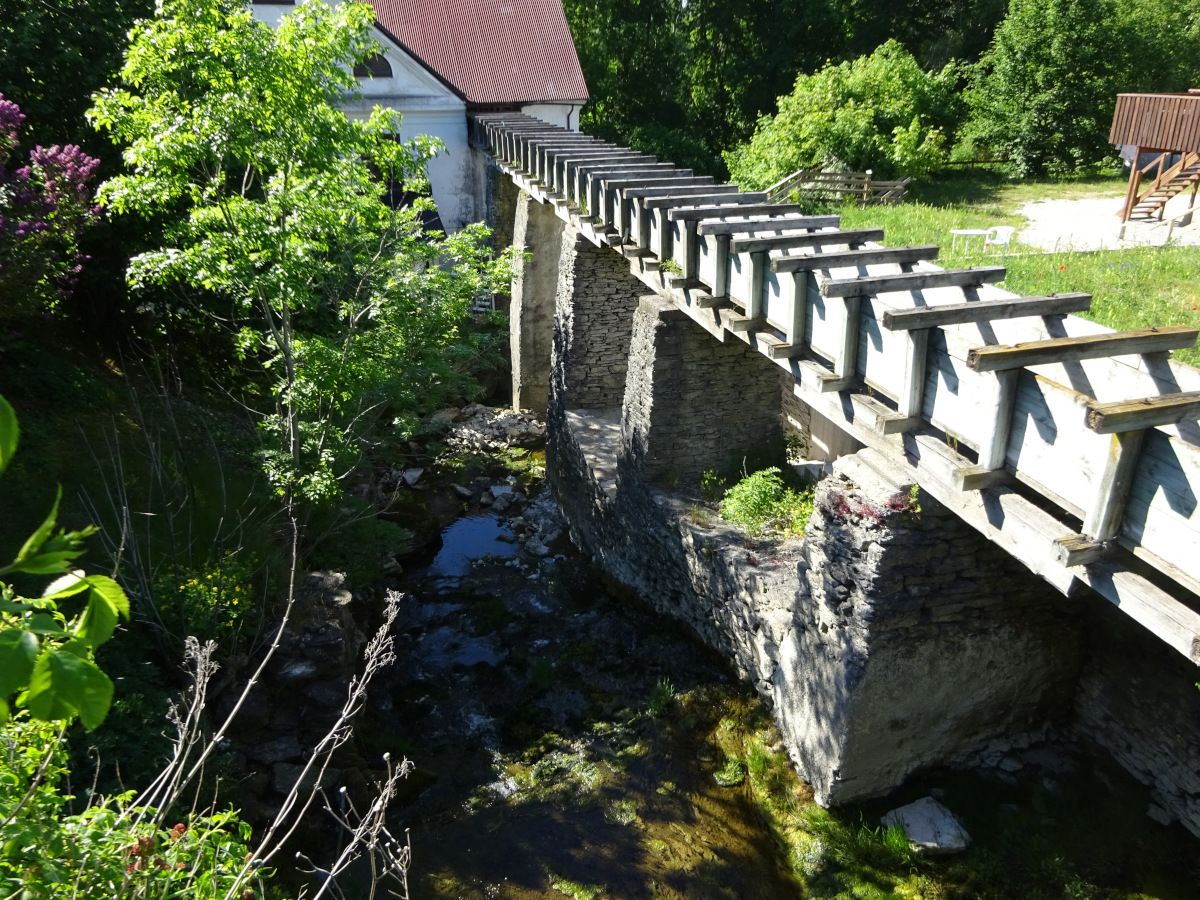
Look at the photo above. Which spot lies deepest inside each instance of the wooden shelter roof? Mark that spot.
(1158, 121)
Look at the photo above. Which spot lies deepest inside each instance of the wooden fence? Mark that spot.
(1074, 447)
(838, 186)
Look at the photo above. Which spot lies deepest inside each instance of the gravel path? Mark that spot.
(1093, 225)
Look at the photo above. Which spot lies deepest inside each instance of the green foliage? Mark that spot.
(732, 774)
(1043, 94)
(212, 602)
(711, 485)
(880, 112)
(46, 654)
(661, 698)
(761, 500)
(110, 849)
(687, 81)
(348, 306)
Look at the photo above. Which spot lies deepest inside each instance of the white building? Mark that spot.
(442, 59)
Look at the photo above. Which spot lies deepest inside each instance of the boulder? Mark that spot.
(929, 827)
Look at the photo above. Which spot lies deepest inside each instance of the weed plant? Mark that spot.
(762, 501)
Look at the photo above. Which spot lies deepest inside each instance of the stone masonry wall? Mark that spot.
(691, 403)
(1138, 701)
(594, 307)
(531, 314)
(886, 642)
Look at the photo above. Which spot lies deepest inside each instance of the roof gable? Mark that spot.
(490, 51)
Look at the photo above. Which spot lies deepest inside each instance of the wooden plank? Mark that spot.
(736, 201)
(812, 239)
(1073, 349)
(760, 209)
(851, 258)
(721, 225)
(1148, 412)
(984, 311)
(1104, 517)
(911, 281)
(1148, 605)
(685, 193)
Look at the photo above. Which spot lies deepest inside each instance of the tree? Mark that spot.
(45, 204)
(879, 112)
(350, 308)
(1043, 94)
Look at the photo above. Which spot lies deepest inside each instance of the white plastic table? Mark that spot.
(966, 234)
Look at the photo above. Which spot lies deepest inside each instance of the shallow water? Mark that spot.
(469, 538)
(569, 743)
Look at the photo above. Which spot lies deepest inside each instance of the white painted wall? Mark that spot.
(457, 175)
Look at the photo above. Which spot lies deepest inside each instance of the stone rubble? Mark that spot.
(485, 428)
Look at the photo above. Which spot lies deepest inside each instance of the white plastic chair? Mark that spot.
(999, 236)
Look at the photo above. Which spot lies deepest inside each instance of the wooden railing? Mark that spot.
(860, 186)
(1073, 446)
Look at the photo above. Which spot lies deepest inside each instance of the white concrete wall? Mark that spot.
(564, 115)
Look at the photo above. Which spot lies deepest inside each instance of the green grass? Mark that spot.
(1136, 287)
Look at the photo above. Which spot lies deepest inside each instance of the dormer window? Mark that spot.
(375, 66)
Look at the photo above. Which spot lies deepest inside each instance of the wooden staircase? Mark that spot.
(1168, 183)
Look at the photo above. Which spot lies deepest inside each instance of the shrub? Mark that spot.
(1043, 94)
(761, 500)
(878, 112)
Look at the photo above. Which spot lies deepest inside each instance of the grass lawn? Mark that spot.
(1131, 288)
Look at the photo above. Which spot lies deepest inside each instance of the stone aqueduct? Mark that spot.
(669, 325)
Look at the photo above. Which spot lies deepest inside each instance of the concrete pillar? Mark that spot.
(597, 295)
(693, 403)
(531, 315)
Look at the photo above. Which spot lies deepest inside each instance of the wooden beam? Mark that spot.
(1079, 549)
(850, 258)
(813, 239)
(1149, 412)
(976, 478)
(984, 311)
(685, 192)
(912, 393)
(720, 225)
(1092, 346)
(911, 281)
(1103, 520)
(735, 199)
(994, 446)
(756, 209)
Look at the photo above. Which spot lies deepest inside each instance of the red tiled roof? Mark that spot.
(490, 51)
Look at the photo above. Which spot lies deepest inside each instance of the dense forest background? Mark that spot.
(691, 81)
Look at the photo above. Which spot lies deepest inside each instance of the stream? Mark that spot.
(571, 742)
(565, 741)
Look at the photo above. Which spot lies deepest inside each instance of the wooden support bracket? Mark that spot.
(1103, 520)
(1149, 412)
(1079, 550)
(976, 478)
(1092, 346)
